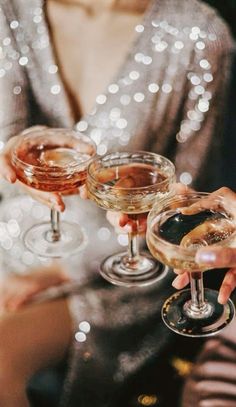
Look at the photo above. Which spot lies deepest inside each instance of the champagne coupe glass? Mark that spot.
(177, 227)
(130, 183)
(53, 160)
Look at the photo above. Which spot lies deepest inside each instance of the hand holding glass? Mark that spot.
(130, 183)
(177, 227)
(53, 160)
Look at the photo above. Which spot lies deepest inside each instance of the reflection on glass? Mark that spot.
(130, 183)
(53, 160)
(177, 228)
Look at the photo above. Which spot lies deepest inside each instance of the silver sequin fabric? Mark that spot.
(168, 97)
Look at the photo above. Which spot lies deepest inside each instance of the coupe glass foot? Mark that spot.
(147, 270)
(72, 239)
(215, 317)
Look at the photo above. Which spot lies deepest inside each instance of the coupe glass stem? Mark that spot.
(55, 225)
(132, 259)
(133, 247)
(197, 307)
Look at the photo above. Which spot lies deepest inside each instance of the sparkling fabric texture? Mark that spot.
(167, 97)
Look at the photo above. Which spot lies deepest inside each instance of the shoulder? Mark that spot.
(195, 20)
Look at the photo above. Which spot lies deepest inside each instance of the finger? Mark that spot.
(124, 220)
(15, 303)
(83, 192)
(227, 286)
(210, 201)
(50, 199)
(6, 170)
(181, 281)
(179, 188)
(217, 256)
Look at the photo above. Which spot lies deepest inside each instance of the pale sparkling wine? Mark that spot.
(186, 234)
(60, 162)
(129, 188)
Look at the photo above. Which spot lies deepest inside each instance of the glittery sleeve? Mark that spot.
(13, 81)
(199, 136)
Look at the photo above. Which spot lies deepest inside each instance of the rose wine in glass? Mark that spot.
(177, 228)
(130, 183)
(53, 160)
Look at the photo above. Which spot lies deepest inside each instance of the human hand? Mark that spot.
(212, 256)
(7, 172)
(18, 290)
(124, 223)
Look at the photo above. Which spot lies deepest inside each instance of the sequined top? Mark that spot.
(167, 97)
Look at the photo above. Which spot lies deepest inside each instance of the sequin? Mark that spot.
(147, 60)
(179, 45)
(14, 24)
(200, 45)
(113, 88)
(81, 125)
(139, 97)
(2, 72)
(208, 77)
(37, 19)
(17, 90)
(185, 178)
(153, 87)
(134, 75)
(199, 89)
(101, 99)
(139, 28)
(84, 326)
(195, 80)
(80, 337)
(23, 61)
(204, 64)
(96, 135)
(55, 89)
(122, 239)
(104, 234)
(121, 123)
(52, 69)
(203, 105)
(161, 46)
(166, 88)
(101, 149)
(125, 100)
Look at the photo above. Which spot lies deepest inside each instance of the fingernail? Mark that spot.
(11, 178)
(175, 283)
(205, 257)
(220, 299)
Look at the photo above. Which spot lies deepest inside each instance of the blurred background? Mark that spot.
(227, 173)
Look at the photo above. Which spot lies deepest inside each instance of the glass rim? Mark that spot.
(52, 169)
(128, 153)
(174, 198)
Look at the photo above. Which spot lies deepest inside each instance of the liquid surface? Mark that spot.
(178, 226)
(189, 232)
(51, 156)
(130, 176)
(131, 189)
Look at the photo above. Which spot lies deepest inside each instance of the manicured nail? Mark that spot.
(206, 257)
(220, 299)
